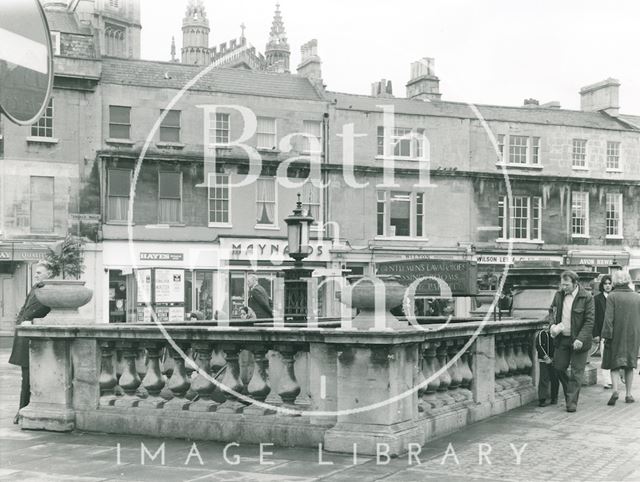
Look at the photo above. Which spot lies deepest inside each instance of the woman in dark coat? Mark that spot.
(31, 309)
(600, 300)
(621, 333)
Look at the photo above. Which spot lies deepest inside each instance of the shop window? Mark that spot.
(118, 186)
(117, 297)
(266, 201)
(170, 197)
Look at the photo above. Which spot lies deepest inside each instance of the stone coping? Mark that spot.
(280, 335)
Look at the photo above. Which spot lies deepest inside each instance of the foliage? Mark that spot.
(67, 258)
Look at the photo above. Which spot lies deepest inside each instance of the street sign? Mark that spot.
(26, 61)
(85, 218)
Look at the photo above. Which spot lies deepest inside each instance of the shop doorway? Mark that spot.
(8, 305)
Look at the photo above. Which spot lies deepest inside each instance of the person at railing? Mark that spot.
(621, 333)
(31, 309)
(600, 301)
(548, 384)
(259, 300)
(573, 314)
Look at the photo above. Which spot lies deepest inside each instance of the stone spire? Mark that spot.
(277, 52)
(173, 49)
(195, 34)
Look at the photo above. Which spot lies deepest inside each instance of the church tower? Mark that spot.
(195, 35)
(277, 52)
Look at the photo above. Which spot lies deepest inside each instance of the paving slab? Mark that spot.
(597, 443)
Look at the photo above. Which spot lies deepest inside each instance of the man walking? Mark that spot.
(573, 313)
(259, 300)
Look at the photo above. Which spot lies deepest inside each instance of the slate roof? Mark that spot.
(65, 22)
(171, 75)
(535, 115)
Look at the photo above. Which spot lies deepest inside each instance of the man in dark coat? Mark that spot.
(259, 300)
(31, 309)
(573, 314)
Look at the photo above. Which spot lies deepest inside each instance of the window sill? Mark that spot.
(614, 236)
(580, 168)
(119, 223)
(124, 142)
(42, 140)
(267, 227)
(580, 236)
(400, 158)
(170, 145)
(525, 241)
(220, 225)
(619, 171)
(401, 238)
(164, 225)
(520, 166)
(274, 149)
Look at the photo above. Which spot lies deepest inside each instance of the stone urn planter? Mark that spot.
(374, 300)
(64, 297)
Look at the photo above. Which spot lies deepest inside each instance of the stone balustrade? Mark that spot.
(289, 386)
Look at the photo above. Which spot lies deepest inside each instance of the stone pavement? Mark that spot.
(596, 443)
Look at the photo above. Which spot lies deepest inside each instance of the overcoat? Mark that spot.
(31, 309)
(621, 329)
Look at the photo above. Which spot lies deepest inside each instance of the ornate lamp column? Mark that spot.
(295, 284)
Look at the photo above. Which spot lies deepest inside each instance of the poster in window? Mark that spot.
(169, 286)
(176, 314)
(143, 277)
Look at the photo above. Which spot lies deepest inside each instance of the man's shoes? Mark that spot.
(16, 419)
(614, 398)
(554, 401)
(542, 403)
(571, 408)
(607, 386)
(629, 399)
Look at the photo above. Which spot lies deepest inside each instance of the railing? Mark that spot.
(289, 386)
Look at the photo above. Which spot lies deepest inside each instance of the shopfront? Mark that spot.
(176, 279)
(602, 261)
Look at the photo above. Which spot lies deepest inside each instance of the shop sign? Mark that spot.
(517, 258)
(161, 256)
(269, 249)
(459, 275)
(600, 260)
(22, 254)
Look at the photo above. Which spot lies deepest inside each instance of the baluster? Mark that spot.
(431, 366)
(288, 388)
(419, 380)
(511, 361)
(201, 383)
(129, 380)
(467, 374)
(218, 366)
(519, 357)
(445, 376)
(179, 383)
(153, 381)
(231, 381)
(499, 363)
(166, 362)
(454, 372)
(258, 387)
(107, 380)
(525, 345)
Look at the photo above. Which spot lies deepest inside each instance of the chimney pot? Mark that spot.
(531, 103)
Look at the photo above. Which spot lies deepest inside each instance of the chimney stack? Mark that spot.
(601, 96)
(531, 103)
(310, 64)
(553, 104)
(382, 88)
(423, 84)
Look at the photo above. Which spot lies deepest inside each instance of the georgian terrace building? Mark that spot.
(573, 176)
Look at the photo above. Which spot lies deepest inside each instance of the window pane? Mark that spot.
(169, 185)
(119, 114)
(119, 181)
(399, 213)
(266, 201)
(518, 149)
(172, 119)
(118, 131)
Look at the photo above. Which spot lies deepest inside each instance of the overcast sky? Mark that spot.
(486, 51)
